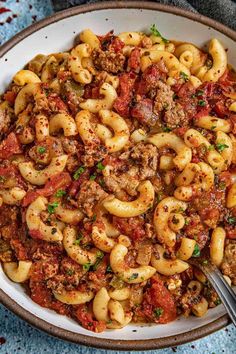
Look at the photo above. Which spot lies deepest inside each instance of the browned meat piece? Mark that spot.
(93, 154)
(109, 61)
(173, 113)
(150, 78)
(146, 157)
(143, 112)
(125, 183)
(8, 215)
(6, 254)
(5, 121)
(229, 262)
(90, 194)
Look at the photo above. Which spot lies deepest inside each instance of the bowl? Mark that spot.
(57, 33)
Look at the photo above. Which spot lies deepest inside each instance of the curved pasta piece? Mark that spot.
(74, 297)
(186, 248)
(63, 121)
(23, 77)
(69, 216)
(231, 197)
(200, 309)
(101, 240)
(85, 128)
(78, 72)
(34, 222)
(129, 275)
(136, 207)
(117, 325)
(87, 36)
(161, 216)
(18, 273)
(167, 266)
(12, 196)
(131, 38)
(197, 55)
(100, 305)
(217, 246)
(176, 221)
(184, 153)
(172, 63)
(74, 251)
(116, 311)
(40, 177)
(120, 294)
(223, 140)
(219, 124)
(120, 128)
(219, 57)
(41, 127)
(32, 89)
(194, 139)
(95, 105)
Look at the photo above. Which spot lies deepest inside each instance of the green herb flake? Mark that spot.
(217, 302)
(199, 93)
(222, 185)
(133, 276)
(41, 149)
(193, 96)
(100, 166)
(93, 218)
(108, 270)
(181, 210)
(213, 127)
(186, 222)
(202, 103)
(78, 172)
(155, 32)
(102, 183)
(221, 147)
(205, 262)
(93, 177)
(52, 207)
(232, 220)
(78, 239)
(184, 76)
(70, 272)
(86, 266)
(196, 251)
(99, 256)
(60, 193)
(158, 311)
(166, 129)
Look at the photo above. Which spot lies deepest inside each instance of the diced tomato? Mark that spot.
(180, 131)
(86, 320)
(158, 297)
(60, 181)
(10, 146)
(36, 234)
(91, 91)
(63, 75)
(143, 112)
(20, 250)
(221, 109)
(226, 177)
(186, 90)
(75, 185)
(132, 227)
(231, 232)
(233, 123)
(10, 97)
(56, 103)
(134, 59)
(116, 45)
(150, 78)
(202, 112)
(126, 86)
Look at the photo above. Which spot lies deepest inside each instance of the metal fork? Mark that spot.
(224, 291)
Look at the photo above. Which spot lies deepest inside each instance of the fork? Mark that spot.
(224, 291)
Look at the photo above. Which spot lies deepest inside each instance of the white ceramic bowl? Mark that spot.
(57, 33)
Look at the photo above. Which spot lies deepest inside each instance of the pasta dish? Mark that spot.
(118, 165)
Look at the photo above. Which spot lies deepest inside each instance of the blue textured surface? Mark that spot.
(19, 336)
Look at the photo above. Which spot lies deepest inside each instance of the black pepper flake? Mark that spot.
(2, 340)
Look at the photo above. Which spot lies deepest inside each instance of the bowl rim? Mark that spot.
(78, 338)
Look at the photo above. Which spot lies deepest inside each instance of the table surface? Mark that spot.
(16, 336)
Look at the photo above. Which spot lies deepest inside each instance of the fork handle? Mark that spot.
(225, 292)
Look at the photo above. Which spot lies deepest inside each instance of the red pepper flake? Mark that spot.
(2, 340)
(4, 9)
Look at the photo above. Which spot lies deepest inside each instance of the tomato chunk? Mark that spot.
(86, 320)
(10, 146)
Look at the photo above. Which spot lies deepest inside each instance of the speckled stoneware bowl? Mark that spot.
(57, 33)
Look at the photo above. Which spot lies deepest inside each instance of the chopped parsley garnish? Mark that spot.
(86, 266)
(102, 183)
(202, 103)
(166, 129)
(54, 230)
(221, 147)
(232, 220)
(222, 185)
(78, 172)
(181, 210)
(155, 32)
(196, 251)
(213, 127)
(100, 256)
(133, 276)
(93, 177)
(186, 222)
(199, 93)
(100, 166)
(108, 270)
(41, 149)
(93, 218)
(217, 302)
(184, 76)
(60, 193)
(193, 96)
(211, 147)
(79, 238)
(52, 207)
(69, 272)
(158, 311)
